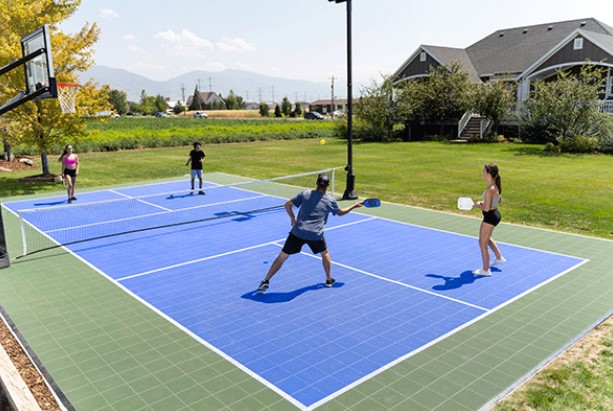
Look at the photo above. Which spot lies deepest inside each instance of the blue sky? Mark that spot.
(305, 39)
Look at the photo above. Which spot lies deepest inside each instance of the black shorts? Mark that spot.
(492, 217)
(70, 172)
(294, 244)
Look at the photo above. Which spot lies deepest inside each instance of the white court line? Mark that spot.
(140, 200)
(274, 242)
(211, 257)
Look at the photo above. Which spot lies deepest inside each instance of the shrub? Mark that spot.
(579, 144)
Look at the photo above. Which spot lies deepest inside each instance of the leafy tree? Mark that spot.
(197, 101)
(178, 108)
(231, 101)
(494, 100)
(264, 110)
(42, 123)
(160, 103)
(567, 109)
(445, 95)
(119, 101)
(298, 109)
(286, 106)
(278, 113)
(378, 110)
(147, 103)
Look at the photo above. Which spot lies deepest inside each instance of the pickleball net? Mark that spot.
(48, 228)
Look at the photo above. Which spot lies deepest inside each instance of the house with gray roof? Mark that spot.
(523, 55)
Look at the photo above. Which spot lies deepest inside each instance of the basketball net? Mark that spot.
(66, 94)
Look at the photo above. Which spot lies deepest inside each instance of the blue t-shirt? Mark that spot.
(313, 214)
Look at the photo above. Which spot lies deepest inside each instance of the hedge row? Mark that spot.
(138, 133)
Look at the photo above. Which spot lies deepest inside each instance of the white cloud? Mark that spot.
(236, 44)
(184, 43)
(129, 37)
(109, 13)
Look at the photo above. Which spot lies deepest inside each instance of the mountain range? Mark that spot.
(251, 86)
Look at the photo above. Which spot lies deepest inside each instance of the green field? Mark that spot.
(563, 192)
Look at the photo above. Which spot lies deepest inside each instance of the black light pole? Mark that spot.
(349, 193)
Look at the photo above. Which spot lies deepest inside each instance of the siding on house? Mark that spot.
(568, 55)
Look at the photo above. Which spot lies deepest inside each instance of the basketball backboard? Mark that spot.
(37, 62)
(39, 70)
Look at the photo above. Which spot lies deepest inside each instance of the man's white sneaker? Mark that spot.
(482, 272)
(498, 261)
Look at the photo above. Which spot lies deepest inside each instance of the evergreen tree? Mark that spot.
(264, 110)
(197, 103)
(278, 113)
(286, 106)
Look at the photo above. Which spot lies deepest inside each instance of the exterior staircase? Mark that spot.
(472, 130)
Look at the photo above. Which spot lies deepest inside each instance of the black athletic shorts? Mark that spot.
(70, 172)
(492, 217)
(294, 244)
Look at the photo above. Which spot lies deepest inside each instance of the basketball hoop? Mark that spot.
(66, 94)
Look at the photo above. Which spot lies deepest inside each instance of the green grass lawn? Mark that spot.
(565, 192)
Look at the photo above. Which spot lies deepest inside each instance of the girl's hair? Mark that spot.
(64, 153)
(492, 169)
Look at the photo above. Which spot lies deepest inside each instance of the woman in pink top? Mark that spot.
(70, 170)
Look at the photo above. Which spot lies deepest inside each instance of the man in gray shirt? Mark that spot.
(308, 228)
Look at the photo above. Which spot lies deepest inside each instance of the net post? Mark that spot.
(4, 253)
(24, 247)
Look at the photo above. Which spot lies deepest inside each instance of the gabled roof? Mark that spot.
(514, 50)
(448, 55)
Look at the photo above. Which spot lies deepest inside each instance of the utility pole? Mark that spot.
(260, 95)
(273, 94)
(332, 97)
(183, 97)
(210, 85)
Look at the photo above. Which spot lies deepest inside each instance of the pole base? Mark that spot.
(350, 193)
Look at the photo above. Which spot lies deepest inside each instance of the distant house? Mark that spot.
(523, 55)
(325, 106)
(209, 98)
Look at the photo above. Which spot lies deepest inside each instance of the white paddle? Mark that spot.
(465, 203)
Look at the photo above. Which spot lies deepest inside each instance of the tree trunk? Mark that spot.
(8, 156)
(45, 163)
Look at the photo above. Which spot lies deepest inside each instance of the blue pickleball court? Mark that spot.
(400, 288)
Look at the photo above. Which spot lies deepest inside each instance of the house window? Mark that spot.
(578, 43)
(422, 56)
(609, 92)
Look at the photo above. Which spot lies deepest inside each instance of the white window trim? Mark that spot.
(422, 56)
(578, 43)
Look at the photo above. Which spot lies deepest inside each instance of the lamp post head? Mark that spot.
(338, 1)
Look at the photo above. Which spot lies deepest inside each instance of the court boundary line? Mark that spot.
(437, 340)
(391, 364)
(373, 374)
(194, 336)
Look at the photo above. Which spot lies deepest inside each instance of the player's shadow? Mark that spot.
(280, 297)
(54, 203)
(452, 283)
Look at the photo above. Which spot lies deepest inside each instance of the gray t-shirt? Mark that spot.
(313, 214)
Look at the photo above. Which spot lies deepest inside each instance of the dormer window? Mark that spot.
(422, 56)
(578, 45)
